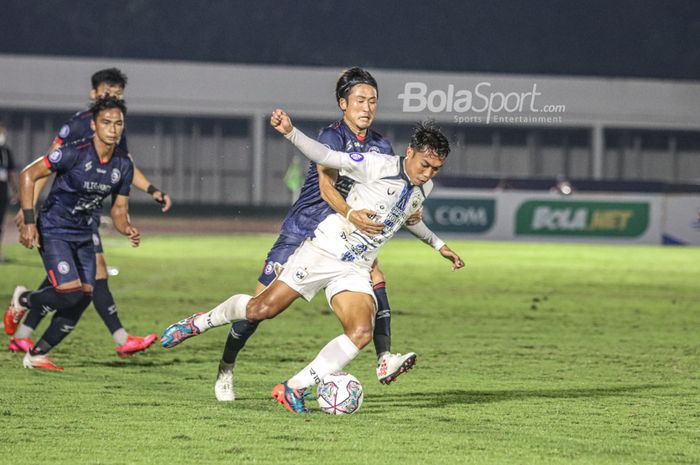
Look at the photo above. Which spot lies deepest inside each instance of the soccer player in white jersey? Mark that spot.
(339, 257)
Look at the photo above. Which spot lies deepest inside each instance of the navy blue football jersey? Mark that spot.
(82, 183)
(310, 208)
(78, 128)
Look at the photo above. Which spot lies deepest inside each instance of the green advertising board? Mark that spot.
(459, 215)
(582, 218)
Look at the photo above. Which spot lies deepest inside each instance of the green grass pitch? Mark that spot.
(533, 354)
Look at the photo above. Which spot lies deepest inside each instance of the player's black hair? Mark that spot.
(349, 79)
(428, 136)
(105, 103)
(111, 76)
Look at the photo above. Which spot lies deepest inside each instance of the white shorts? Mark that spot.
(310, 269)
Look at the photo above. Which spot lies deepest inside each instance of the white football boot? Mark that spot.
(391, 366)
(223, 388)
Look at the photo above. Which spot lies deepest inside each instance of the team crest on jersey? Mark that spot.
(355, 156)
(300, 274)
(96, 239)
(381, 207)
(63, 267)
(55, 156)
(88, 166)
(269, 268)
(65, 130)
(115, 176)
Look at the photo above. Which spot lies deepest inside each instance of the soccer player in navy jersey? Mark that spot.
(86, 173)
(112, 82)
(323, 194)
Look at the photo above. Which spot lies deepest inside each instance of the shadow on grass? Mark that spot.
(439, 399)
(141, 362)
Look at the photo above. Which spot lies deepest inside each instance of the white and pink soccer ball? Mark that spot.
(340, 393)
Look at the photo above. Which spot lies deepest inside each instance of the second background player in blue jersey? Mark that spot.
(323, 194)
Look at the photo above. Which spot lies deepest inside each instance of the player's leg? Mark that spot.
(389, 366)
(71, 268)
(382, 323)
(238, 335)
(273, 301)
(22, 339)
(103, 300)
(355, 310)
(242, 330)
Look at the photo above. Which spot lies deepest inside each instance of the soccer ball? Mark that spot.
(340, 393)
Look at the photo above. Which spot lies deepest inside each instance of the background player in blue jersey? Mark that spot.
(86, 173)
(323, 194)
(112, 82)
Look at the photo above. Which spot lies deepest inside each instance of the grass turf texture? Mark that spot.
(533, 354)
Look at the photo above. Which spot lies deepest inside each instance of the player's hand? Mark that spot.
(163, 199)
(134, 236)
(281, 122)
(457, 262)
(19, 219)
(415, 218)
(362, 220)
(29, 235)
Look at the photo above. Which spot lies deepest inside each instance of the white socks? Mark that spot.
(23, 332)
(120, 336)
(229, 311)
(333, 357)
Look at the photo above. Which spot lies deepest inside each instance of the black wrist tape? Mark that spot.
(152, 189)
(28, 215)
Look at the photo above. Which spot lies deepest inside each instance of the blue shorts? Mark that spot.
(66, 261)
(283, 248)
(97, 241)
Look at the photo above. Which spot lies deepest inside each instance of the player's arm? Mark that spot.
(142, 183)
(39, 186)
(28, 234)
(120, 219)
(313, 150)
(423, 232)
(359, 218)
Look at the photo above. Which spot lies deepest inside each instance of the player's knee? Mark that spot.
(258, 310)
(70, 298)
(360, 334)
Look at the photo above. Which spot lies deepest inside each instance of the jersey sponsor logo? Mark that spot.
(96, 239)
(65, 130)
(55, 156)
(63, 267)
(88, 166)
(101, 171)
(390, 191)
(300, 274)
(356, 156)
(374, 149)
(115, 176)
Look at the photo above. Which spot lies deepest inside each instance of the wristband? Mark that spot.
(347, 215)
(28, 215)
(152, 189)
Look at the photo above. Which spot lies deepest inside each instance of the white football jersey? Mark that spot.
(381, 186)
